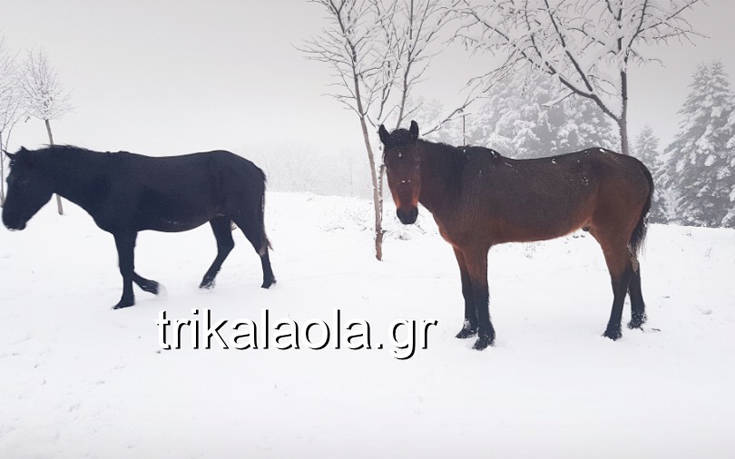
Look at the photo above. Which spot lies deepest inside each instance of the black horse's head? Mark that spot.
(403, 163)
(28, 190)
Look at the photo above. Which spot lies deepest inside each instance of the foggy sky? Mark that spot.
(168, 77)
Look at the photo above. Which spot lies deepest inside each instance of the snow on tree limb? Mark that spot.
(10, 100)
(44, 96)
(587, 45)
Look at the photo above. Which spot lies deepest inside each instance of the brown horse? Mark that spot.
(479, 198)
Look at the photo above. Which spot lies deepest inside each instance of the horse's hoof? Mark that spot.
(268, 282)
(637, 321)
(151, 287)
(483, 342)
(207, 284)
(466, 333)
(613, 334)
(124, 304)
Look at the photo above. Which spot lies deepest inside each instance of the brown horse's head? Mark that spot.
(403, 164)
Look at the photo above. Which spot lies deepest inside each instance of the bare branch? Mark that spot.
(587, 45)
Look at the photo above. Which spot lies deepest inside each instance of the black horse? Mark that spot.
(126, 193)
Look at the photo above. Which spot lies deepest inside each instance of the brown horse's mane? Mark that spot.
(450, 161)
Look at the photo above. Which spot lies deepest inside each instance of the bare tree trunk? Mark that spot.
(377, 197)
(623, 129)
(623, 121)
(377, 207)
(48, 130)
(59, 207)
(2, 171)
(381, 176)
(464, 128)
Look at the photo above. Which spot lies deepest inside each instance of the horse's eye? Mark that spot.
(400, 155)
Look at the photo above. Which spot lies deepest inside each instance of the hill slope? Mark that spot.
(79, 379)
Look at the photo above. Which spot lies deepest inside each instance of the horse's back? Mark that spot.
(175, 193)
(194, 169)
(583, 170)
(544, 198)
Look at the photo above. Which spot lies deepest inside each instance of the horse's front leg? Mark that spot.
(125, 243)
(476, 261)
(469, 326)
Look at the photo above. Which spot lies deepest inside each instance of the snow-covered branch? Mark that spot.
(586, 45)
(44, 98)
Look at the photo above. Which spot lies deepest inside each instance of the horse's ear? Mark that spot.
(383, 133)
(9, 155)
(414, 130)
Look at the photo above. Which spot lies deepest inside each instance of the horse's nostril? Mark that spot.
(407, 217)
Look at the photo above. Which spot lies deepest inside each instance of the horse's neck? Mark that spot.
(77, 180)
(439, 186)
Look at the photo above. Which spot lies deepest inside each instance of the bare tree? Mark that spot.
(412, 34)
(44, 98)
(588, 46)
(348, 44)
(10, 107)
(378, 51)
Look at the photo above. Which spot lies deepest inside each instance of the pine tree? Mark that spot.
(700, 165)
(647, 150)
(729, 218)
(528, 120)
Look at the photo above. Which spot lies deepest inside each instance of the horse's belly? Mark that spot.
(172, 224)
(533, 230)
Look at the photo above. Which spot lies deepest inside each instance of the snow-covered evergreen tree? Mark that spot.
(729, 218)
(700, 161)
(527, 121)
(646, 149)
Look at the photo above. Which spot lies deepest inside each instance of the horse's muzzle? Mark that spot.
(407, 217)
(13, 225)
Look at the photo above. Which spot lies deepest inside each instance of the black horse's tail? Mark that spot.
(261, 210)
(639, 232)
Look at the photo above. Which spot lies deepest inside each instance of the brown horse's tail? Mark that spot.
(639, 232)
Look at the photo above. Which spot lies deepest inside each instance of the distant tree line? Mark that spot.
(694, 175)
(577, 53)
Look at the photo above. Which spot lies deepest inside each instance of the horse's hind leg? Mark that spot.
(620, 267)
(223, 235)
(147, 285)
(265, 264)
(469, 327)
(637, 306)
(254, 232)
(125, 243)
(476, 262)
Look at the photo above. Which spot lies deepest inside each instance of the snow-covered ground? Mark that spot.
(78, 379)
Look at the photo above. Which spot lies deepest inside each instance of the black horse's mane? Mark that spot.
(68, 158)
(69, 149)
